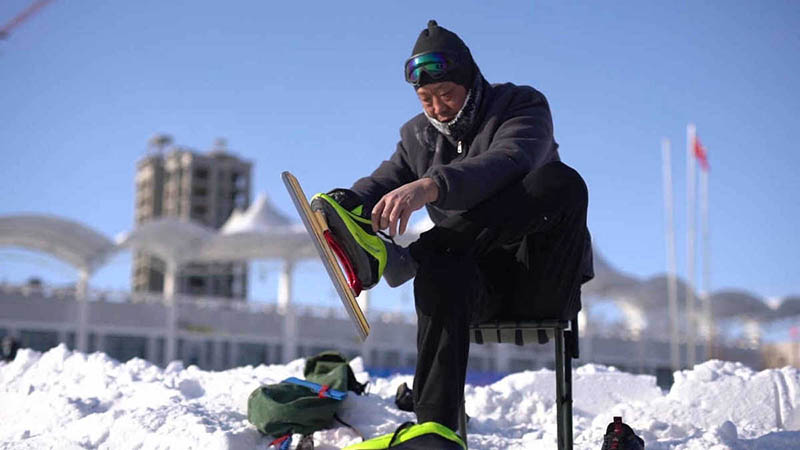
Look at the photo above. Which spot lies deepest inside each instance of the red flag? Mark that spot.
(700, 154)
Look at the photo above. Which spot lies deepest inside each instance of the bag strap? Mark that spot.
(358, 388)
(402, 427)
(282, 442)
(323, 391)
(355, 430)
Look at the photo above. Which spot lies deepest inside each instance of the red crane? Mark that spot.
(21, 17)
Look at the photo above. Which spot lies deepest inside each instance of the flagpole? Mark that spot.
(669, 231)
(690, 251)
(705, 293)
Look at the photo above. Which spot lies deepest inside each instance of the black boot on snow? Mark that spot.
(404, 398)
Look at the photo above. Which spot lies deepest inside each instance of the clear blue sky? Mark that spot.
(317, 88)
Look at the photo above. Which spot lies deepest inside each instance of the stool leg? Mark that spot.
(462, 423)
(563, 401)
(568, 402)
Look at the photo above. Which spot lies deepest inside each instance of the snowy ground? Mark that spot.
(69, 400)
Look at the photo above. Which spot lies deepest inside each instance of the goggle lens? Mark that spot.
(434, 64)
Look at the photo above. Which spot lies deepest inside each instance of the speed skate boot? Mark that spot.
(370, 256)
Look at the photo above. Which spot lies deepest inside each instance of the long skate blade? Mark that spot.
(316, 226)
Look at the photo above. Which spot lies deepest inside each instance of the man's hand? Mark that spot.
(397, 205)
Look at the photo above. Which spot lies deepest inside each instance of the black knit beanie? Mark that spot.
(438, 39)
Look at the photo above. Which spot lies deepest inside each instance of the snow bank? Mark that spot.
(69, 400)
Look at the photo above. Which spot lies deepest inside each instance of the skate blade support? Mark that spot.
(315, 225)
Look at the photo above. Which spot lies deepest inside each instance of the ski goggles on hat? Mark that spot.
(435, 64)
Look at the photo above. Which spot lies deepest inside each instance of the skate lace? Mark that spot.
(387, 237)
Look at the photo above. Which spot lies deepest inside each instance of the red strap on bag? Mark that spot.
(282, 442)
(323, 392)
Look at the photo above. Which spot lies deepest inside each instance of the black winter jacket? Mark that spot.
(513, 136)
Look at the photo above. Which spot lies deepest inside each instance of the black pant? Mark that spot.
(518, 255)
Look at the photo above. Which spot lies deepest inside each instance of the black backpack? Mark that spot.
(619, 436)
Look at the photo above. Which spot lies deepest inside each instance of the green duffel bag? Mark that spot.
(285, 408)
(303, 406)
(410, 436)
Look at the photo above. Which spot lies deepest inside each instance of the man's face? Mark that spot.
(442, 101)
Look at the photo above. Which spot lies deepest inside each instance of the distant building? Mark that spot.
(177, 182)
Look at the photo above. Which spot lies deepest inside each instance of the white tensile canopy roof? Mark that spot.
(169, 238)
(652, 295)
(260, 216)
(737, 303)
(67, 240)
(789, 307)
(260, 232)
